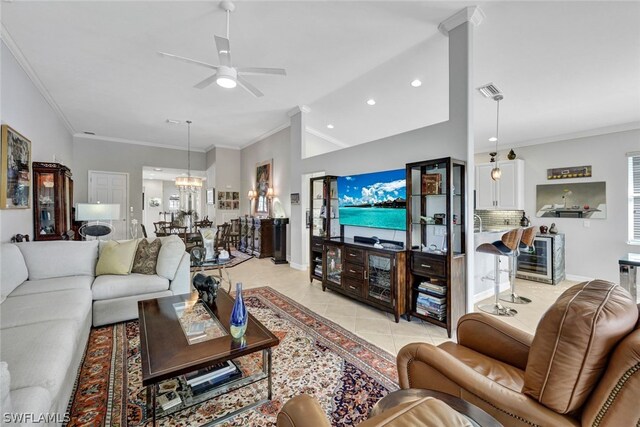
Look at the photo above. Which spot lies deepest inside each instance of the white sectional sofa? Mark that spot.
(49, 300)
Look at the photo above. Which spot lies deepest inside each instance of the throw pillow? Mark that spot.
(171, 253)
(116, 257)
(146, 257)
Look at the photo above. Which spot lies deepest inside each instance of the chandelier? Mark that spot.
(188, 183)
(496, 173)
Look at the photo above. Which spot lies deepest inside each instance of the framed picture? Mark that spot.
(229, 200)
(295, 198)
(211, 196)
(569, 172)
(579, 200)
(15, 171)
(263, 183)
(431, 183)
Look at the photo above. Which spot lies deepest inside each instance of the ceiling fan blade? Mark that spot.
(188, 60)
(206, 82)
(255, 71)
(224, 50)
(249, 87)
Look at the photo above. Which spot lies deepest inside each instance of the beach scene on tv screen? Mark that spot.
(377, 200)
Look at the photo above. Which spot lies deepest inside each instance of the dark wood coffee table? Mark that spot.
(166, 353)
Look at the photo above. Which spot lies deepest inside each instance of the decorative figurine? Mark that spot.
(543, 229)
(524, 221)
(553, 229)
(207, 287)
(239, 315)
(511, 155)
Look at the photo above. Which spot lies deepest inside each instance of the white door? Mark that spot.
(485, 187)
(112, 187)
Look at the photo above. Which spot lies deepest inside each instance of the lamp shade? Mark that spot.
(97, 211)
(188, 181)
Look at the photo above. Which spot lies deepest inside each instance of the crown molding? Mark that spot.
(134, 142)
(266, 134)
(472, 14)
(326, 137)
(298, 109)
(30, 72)
(228, 147)
(624, 127)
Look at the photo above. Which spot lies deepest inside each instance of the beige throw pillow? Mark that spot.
(146, 257)
(116, 257)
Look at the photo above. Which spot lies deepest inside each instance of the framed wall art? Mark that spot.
(569, 172)
(263, 183)
(15, 171)
(581, 200)
(228, 200)
(295, 198)
(211, 196)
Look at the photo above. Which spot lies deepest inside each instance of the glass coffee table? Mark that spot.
(180, 334)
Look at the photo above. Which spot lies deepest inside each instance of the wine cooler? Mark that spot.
(545, 261)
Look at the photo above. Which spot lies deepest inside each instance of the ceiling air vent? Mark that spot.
(86, 132)
(489, 90)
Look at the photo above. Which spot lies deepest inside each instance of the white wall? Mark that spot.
(315, 145)
(227, 178)
(590, 252)
(108, 156)
(25, 110)
(152, 189)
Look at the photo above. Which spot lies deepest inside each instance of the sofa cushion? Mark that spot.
(32, 400)
(573, 341)
(53, 285)
(72, 258)
(116, 257)
(13, 270)
(169, 257)
(5, 395)
(62, 305)
(109, 287)
(146, 257)
(40, 354)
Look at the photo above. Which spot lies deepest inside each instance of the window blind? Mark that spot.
(634, 197)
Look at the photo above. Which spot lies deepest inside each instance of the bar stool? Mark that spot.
(506, 246)
(525, 244)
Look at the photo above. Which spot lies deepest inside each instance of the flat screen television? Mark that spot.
(376, 200)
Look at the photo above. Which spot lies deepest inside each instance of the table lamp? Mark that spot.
(95, 214)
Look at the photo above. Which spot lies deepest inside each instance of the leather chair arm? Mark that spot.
(494, 338)
(300, 411)
(506, 405)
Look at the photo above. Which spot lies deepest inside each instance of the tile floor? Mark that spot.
(371, 324)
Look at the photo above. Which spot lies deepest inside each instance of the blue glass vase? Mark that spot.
(239, 315)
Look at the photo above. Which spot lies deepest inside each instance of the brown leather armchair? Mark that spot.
(582, 367)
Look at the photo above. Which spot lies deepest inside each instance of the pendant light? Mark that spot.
(188, 184)
(496, 173)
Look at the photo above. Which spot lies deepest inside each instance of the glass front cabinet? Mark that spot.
(52, 201)
(436, 220)
(324, 221)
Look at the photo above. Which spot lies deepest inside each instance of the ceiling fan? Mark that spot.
(226, 75)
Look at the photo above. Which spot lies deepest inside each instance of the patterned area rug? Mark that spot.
(315, 356)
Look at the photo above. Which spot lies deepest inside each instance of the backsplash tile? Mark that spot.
(499, 218)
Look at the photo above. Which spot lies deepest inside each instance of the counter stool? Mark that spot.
(506, 246)
(525, 244)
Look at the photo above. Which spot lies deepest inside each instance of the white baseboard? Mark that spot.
(296, 266)
(577, 278)
(489, 292)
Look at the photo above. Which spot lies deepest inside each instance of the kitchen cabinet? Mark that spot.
(52, 201)
(370, 275)
(507, 193)
(436, 285)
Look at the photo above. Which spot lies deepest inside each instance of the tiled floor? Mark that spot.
(371, 324)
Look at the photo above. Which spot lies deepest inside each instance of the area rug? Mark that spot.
(346, 374)
(237, 257)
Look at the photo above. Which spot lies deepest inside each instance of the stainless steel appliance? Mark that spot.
(629, 273)
(545, 263)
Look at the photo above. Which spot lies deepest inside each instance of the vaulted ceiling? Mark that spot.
(565, 67)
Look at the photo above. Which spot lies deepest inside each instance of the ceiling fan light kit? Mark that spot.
(226, 75)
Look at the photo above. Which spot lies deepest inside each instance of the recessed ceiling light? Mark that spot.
(173, 121)
(493, 139)
(416, 83)
(157, 169)
(371, 101)
(330, 126)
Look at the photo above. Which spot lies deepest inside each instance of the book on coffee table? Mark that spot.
(169, 400)
(211, 373)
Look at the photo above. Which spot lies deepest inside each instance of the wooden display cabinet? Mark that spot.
(52, 201)
(436, 217)
(324, 220)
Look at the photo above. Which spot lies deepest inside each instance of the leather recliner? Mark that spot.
(581, 368)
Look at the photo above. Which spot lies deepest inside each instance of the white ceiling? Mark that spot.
(565, 67)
